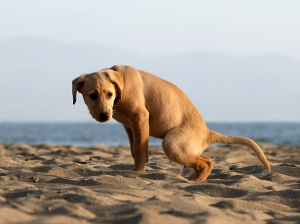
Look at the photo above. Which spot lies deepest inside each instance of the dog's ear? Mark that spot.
(77, 84)
(117, 79)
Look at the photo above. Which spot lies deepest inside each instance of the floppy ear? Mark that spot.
(117, 79)
(76, 85)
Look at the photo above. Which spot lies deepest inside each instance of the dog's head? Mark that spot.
(99, 91)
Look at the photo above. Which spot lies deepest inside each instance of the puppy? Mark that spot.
(147, 105)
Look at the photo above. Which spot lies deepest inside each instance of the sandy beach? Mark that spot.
(72, 184)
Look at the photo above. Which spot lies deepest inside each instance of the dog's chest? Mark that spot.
(121, 118)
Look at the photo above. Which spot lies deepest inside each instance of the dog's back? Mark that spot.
(168, 106)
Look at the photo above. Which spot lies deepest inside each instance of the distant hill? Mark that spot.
(36, 77)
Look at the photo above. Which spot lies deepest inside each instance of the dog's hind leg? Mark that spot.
(187, 152)
(202, 167)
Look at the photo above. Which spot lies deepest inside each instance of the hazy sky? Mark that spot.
(160, 27)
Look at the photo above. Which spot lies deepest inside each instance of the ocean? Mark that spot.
(113, 134)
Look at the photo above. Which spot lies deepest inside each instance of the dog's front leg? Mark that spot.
(130, 137)
(140, 131)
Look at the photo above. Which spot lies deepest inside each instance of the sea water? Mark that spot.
(113, 134)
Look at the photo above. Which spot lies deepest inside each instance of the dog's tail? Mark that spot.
(215, 137)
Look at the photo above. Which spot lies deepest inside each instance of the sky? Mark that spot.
(225, 29)
(166, 27)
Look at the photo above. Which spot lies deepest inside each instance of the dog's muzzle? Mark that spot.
(104, 116)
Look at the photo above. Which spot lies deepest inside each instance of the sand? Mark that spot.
(72, 184)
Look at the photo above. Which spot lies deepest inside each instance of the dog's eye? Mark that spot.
(93, 96)
(109, 94)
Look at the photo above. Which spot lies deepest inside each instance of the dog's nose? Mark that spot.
(104, 116)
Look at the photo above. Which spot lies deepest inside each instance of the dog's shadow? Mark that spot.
(128, 167)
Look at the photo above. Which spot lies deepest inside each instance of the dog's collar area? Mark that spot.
(116, 99)
(117, 95)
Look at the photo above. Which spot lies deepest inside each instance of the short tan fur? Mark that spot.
(147, 105)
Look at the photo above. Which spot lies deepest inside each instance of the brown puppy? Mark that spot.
(148, 105)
